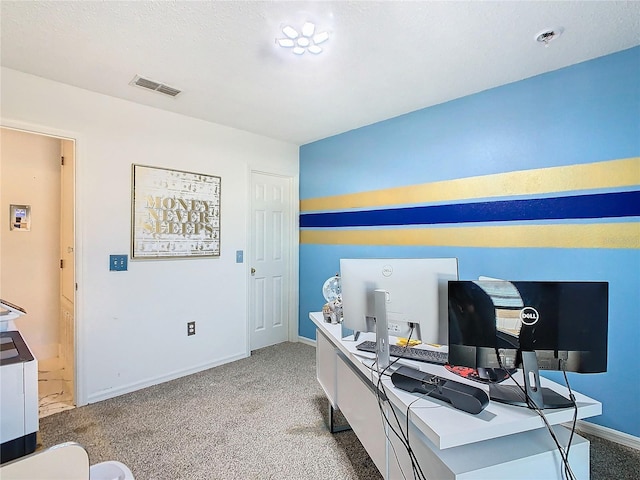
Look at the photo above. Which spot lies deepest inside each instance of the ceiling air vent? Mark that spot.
(139, 81)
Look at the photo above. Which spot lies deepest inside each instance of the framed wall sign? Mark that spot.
(174, 213)
(20, 218)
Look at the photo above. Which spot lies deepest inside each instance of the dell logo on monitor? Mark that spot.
(529, 316)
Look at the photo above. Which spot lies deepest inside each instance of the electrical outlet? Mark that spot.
(117, 263)
(393, 327)
(191, 328)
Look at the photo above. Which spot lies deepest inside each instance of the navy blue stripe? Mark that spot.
(603, 205)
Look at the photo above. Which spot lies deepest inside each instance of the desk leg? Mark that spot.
(333, 428)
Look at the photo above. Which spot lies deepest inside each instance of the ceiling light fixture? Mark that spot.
(548, 35)
(307, 40)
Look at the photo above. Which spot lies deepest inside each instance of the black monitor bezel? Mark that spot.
(557, 357)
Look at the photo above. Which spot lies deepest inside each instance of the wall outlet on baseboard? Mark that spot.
(191, 328)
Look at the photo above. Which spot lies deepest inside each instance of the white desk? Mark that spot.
(502, 442)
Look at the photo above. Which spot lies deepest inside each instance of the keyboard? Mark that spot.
(418, 354)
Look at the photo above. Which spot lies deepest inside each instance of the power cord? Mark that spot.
(404, 438)
(564, 455)
(418, 474)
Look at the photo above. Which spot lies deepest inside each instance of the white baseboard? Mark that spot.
(307, 341)
(607, 433)
(132, 387)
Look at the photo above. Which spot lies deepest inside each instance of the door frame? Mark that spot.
(294, 242)
(80, 395)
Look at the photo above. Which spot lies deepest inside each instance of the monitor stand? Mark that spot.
(540, 397)
(382, 328)
(349, 335)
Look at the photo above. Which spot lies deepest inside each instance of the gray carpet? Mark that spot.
(612, 461)
(257, 418)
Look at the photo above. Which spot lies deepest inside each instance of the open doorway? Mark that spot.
(38, 264)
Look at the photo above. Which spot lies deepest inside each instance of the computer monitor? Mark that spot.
(416, 293)
(533, 325)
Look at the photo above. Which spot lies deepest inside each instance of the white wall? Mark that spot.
(29, 260)
(132, 325)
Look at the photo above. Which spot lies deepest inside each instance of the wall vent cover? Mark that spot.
(142, 82)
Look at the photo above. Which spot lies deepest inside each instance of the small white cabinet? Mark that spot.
(326, 355)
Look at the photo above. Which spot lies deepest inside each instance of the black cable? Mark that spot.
(575, 409)
(563, 455)
(415, 466)
(380, 388)
(407, 419)
(404, 439)
(401, 436)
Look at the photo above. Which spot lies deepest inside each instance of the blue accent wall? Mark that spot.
(581, 114)
(584, 113)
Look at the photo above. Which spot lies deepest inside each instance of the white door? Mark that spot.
(67, 266)
(270, 259)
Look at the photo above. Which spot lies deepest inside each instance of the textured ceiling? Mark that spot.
(383, 58)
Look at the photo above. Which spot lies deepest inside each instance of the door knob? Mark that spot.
(253, 271)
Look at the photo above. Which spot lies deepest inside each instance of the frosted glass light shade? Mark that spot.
(320, 37)
(308, 28)
(290, 32)
(285, 42)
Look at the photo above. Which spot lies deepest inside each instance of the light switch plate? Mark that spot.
(118, 263)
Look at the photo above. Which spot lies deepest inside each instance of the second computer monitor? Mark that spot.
(416, 293)
(534, 325)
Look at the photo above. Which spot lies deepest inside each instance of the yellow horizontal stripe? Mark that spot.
(609, 174)
(607, 235)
